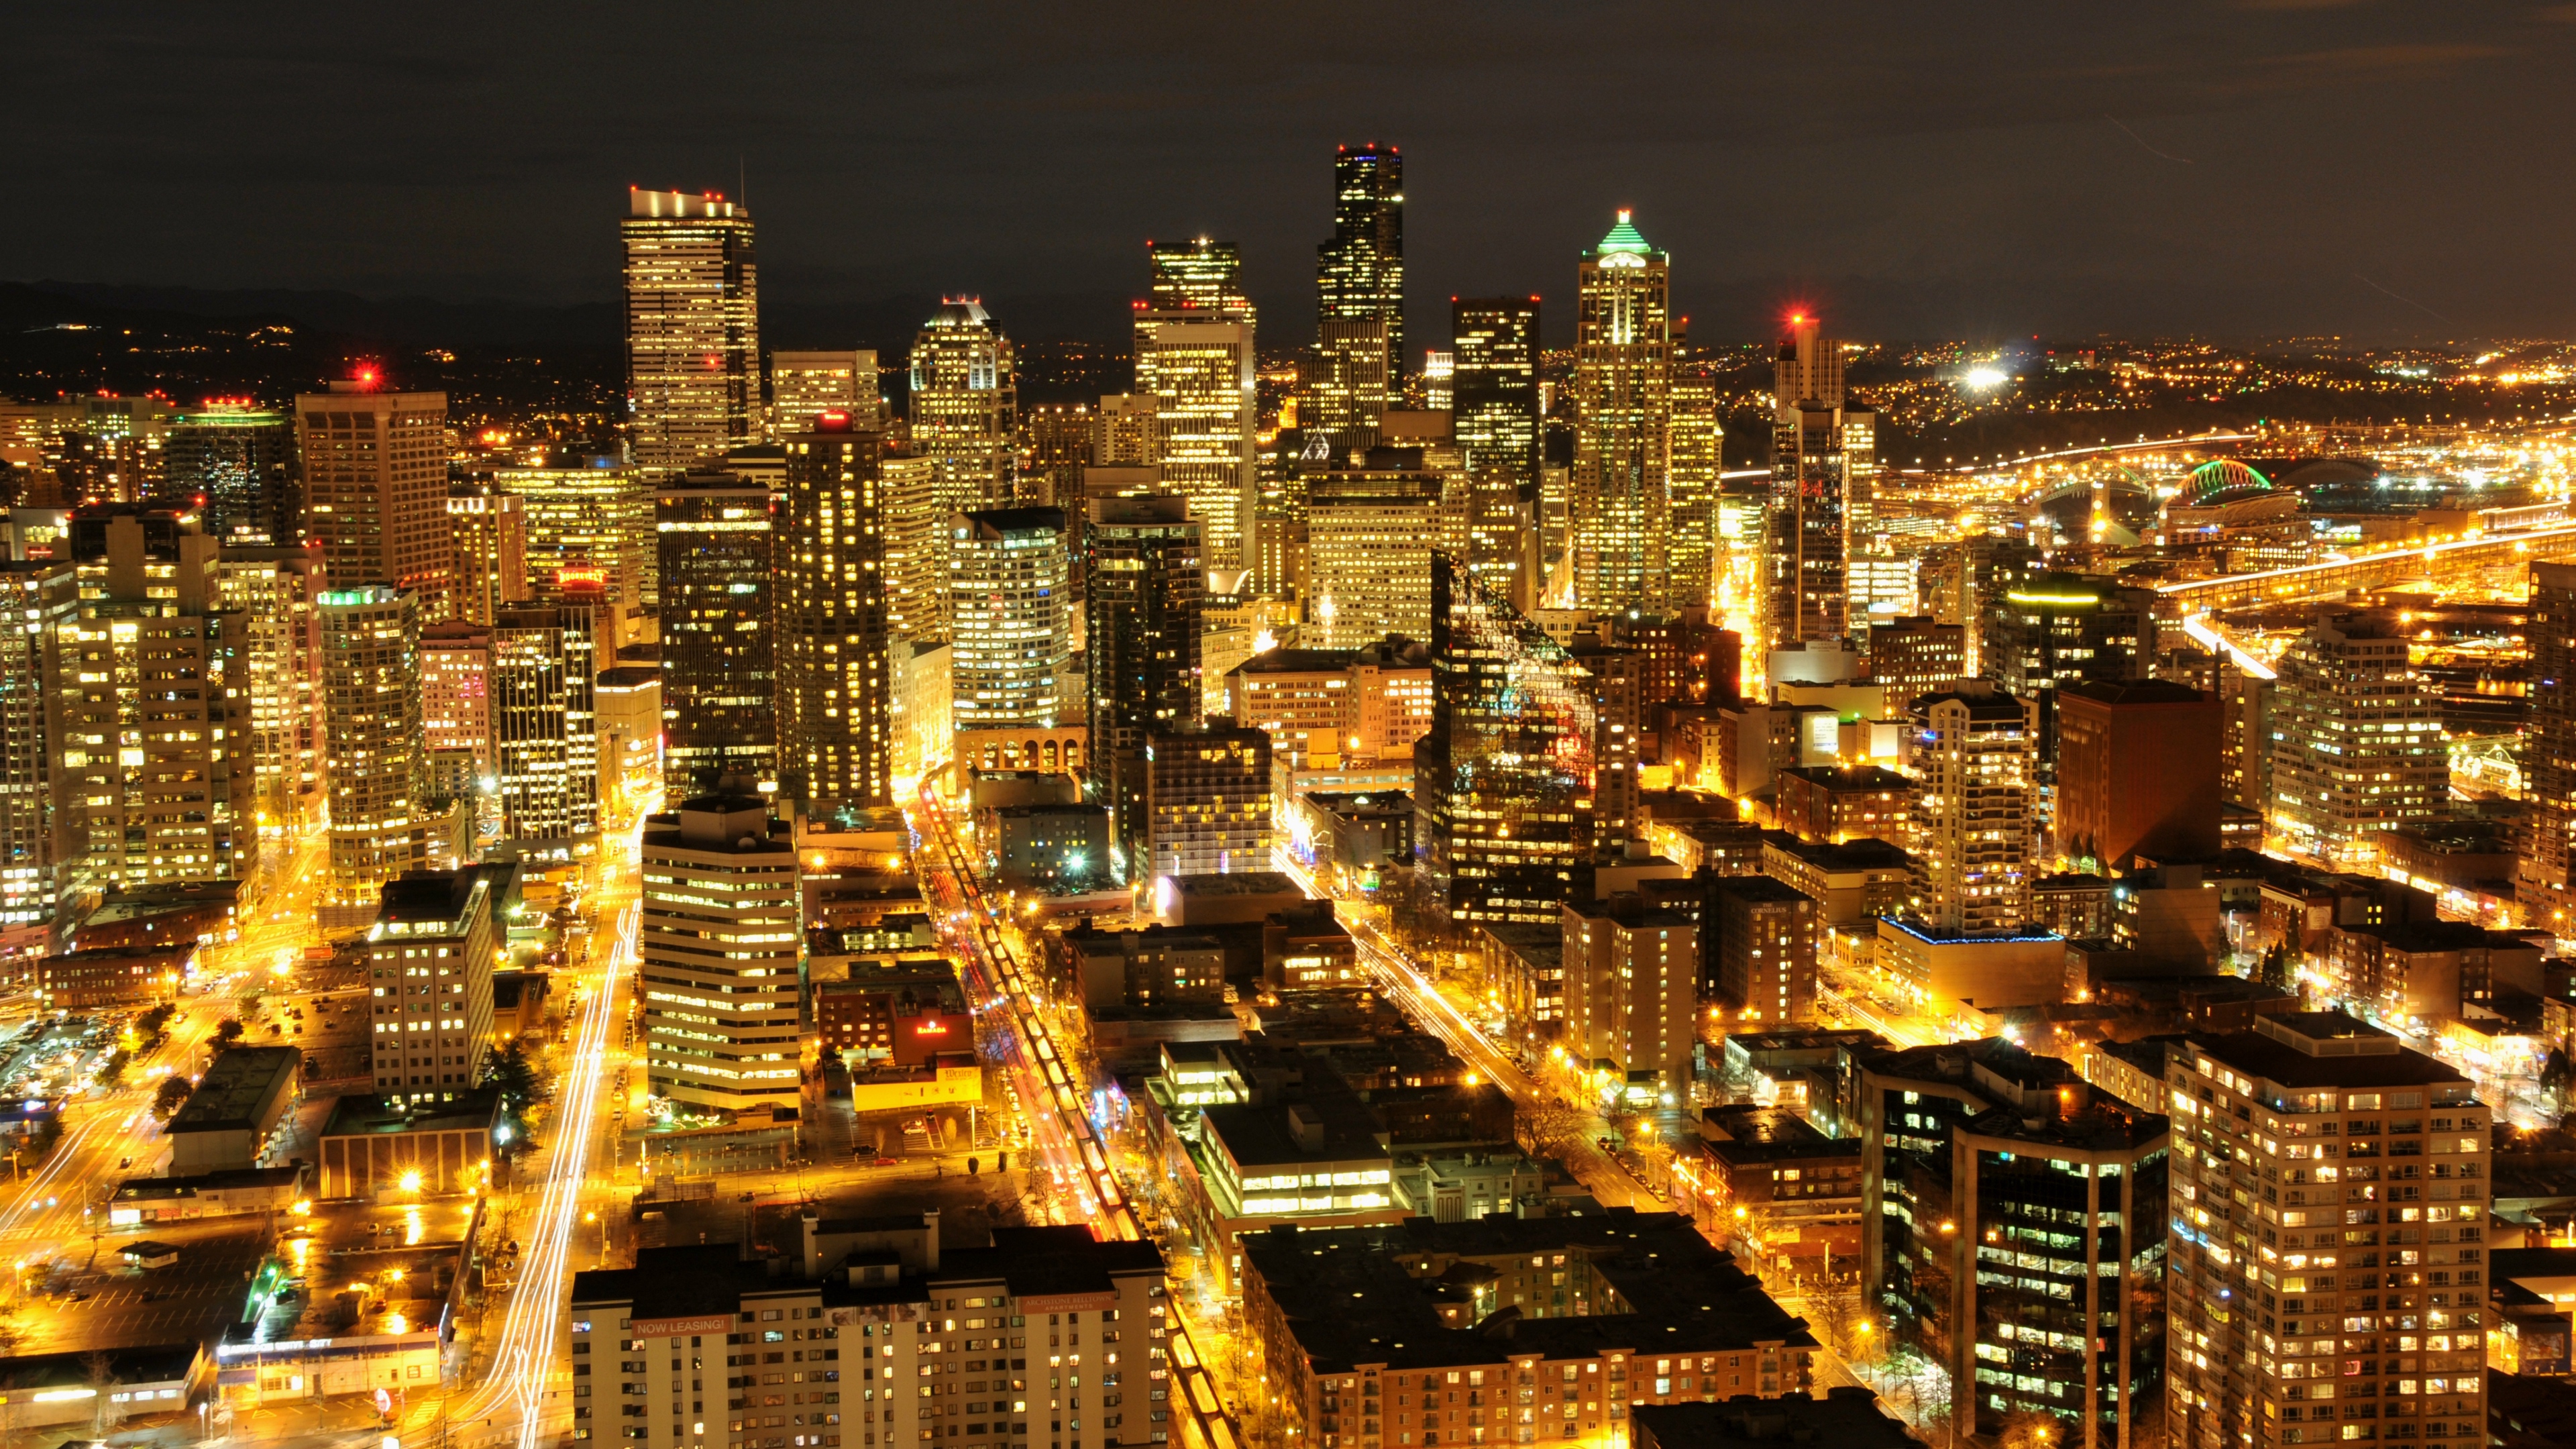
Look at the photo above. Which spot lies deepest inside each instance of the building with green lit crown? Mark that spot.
(1621, 500)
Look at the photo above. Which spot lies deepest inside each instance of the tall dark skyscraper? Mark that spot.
(1196, 275)
(2549, 753)
(1359, 274)
(716, 532)
(1823, 453)
(1503, 783)
(1146, 566)
(835, 686)
(1494, 383)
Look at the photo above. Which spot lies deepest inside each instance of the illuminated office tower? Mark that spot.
(456, 717)
(2357, 744)
(1503, 781)
(1823, 457)
(1359, 274)
(719, 670)
(1369, 540)
(1011, 617)
(375, 490)
(279, 591)
(2291, 1321)
(1055, 446)
(1494, 384)
(1697, 458)
(154, 705)
(805, 385)
(36, 845)
(372, 739)
(545, 729)
(1127, 432)
(920, 504)
(236, 463)
(1196, 275)
(1439, 380)
(835, 690)
(2549, 746)
(491, 533)
(1346, 387)
(1207, 801)
(723, 926)
(1146, 562)
(692, 329)
(589, 533)
(1620, 509)
(1198, 365)
(965, 400)
(1972, 755)
(1916, 656)
(430, 952)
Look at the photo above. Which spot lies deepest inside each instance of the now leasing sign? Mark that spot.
(678, 1327)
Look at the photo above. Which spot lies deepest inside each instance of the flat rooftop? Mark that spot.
(365, 1116)
(228, 1097)
(367, 1268)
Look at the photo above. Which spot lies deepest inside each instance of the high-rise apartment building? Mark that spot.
(1127, 431)
(278, 591)
(2549, 746)
(692, 329)
(153, 702)
(1198, 365)
(1011, 618)
(429, 965)
(490, 529)
(1345, 391)
(1359, 274)
(834, 685)
(2330, 1195)
(236, 463)
(1824, 451)
(805, 385)
(1370, 535)
(2357, 743)
(1055, 446)
(722, 929)
(921, 501)
(1144, 562)
(1196, 275)
(964, 405)
(456, 717)
(375, 488)
(2137, 773)
(1207, 801)
(372, 740)
(1758, 938)
(589, 534)
(2013, 1220)
(545, 729)
(1503, 781)
(1622, 488)
(36, 841)
(1972, 755)
(716, 534)
(1632, 994)
(1916, 655)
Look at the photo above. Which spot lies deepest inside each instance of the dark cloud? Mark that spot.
(1920, 169)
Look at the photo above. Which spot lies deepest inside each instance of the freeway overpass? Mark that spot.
(2181, 600)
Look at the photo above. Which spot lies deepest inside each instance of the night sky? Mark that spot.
(1985, 170)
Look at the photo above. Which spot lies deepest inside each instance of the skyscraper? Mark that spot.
(1823, 457)
(2291, 1320)
(589, 534)
(1494, 384)
(2549, 751)
(375, 485)
(1055, 446)
(1198, 365)
(1359, 274)
(965, 401)
(153, 701)
(236, 463)
(1196, 275)
(692, 329)
(279, 590)
(834, 687)
(716, 533)
(545, 729)
(722, 930)
(1369, 537)
(373, 740)
(1011, 617)
(805, 385)
(2137, 772)
(1697, 458)
(1972, 753)
(490, 529)
(1345, 392)
(2357, 744)
(1622, 487)
(1146, 564)
(1503, 781)
(431, 951)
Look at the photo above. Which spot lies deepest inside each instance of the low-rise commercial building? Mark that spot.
(1943, 967)
(240, 1100)
(88, 980)
(345, 1308)
(375, 1145)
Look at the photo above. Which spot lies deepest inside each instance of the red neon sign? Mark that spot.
(931, 1028)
